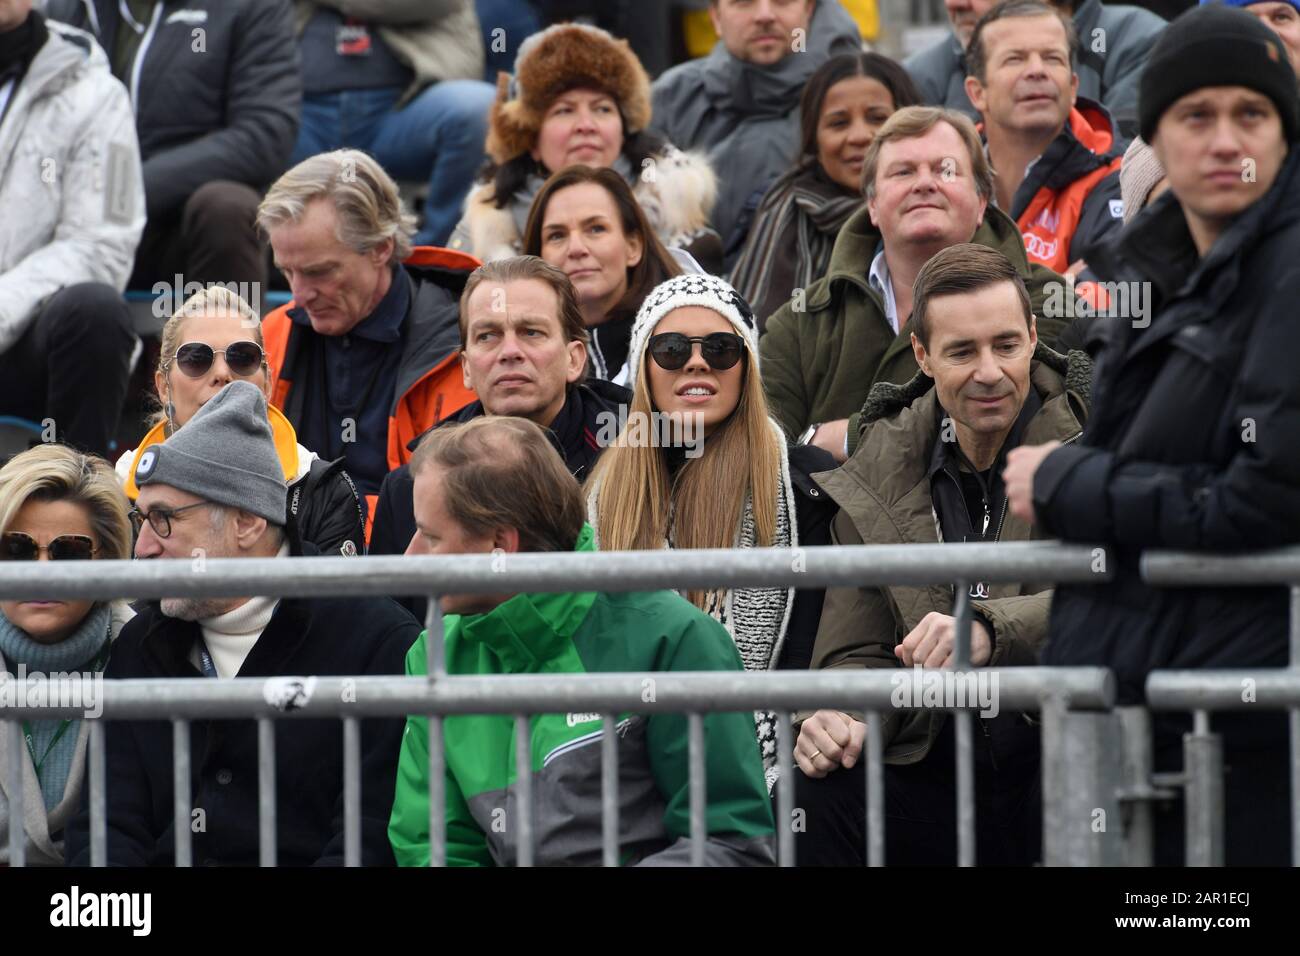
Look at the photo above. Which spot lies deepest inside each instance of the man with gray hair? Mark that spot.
(215, 489)
(365, 356)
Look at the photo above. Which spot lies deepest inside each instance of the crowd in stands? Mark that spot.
(1036, 281)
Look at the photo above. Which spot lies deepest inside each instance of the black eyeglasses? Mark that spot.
(16, 546)
(196, 358)
(672, 350)
(160, 519)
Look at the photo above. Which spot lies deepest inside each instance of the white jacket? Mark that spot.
(71, 189)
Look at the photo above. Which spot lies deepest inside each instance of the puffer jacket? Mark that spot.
(1108, 75)
(677, 201)
(323, 505)
(70, 184)
(584, 632)
(230, 112)
(747, 117)
(1069, 202)
(885, 497)
(437, 39)
(820, 363)
(1192, 445)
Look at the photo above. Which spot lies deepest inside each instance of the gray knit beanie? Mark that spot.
(224, 454)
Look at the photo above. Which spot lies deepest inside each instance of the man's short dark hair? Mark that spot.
(519, 269)
(965, 267)
(977, 56)
(503, 472)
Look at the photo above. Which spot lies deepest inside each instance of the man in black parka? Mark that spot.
(215, 489)
(1194, 440)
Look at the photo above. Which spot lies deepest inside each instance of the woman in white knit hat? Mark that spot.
(700, 464)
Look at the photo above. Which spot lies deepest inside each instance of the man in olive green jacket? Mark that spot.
(928, 186)
(927, 469)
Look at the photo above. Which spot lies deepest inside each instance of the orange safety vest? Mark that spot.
(435, 395)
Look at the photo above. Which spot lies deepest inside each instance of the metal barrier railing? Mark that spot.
(1064, 695)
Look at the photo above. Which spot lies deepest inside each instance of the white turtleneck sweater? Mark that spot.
(231, 636)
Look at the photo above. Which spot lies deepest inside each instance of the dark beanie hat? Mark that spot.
(1217, 45)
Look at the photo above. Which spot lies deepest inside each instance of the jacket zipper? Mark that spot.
(139, 57)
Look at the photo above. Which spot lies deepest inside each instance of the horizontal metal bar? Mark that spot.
(1224, 690)
(906, 564)
(1014, 688)
(1194, 568)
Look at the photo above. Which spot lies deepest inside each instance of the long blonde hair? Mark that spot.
(637, 501)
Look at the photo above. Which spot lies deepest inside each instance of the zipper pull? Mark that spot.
(987, 517)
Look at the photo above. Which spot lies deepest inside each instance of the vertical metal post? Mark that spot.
(1135, 726)
(609, 789)
(1203, 760)
(965, 746)
(182, 804)
(436, 668)
(875, 789)
(98, 798)
(1294, 715)
(17, 834)
(784, 790)
(524, 783)
(268, 851)
(698, 791)
(351, 791)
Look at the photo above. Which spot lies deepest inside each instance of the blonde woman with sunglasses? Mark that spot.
(726, 477)
(56, 504)
(213, 339)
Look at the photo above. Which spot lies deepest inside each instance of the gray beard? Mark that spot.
(194, 609)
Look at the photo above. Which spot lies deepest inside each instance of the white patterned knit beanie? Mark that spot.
(707, 291)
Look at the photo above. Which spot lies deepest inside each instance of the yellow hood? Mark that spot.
(286, 446)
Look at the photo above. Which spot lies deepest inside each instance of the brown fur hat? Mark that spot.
(552, 61)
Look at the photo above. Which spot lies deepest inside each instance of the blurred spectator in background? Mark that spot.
(213, 339)
(402, 81)
(1192, 442)
(364, 358)
(55, 505)
(1055, 156)
(928, 185)
(722, 476)
(587, 223)
(505, 24)
(71, 213)
(578, 95)
(741, 102)
(216, 93)
(1114, 41)
(789, 246)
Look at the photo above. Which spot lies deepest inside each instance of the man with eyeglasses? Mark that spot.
(927, 469)
(215, 489)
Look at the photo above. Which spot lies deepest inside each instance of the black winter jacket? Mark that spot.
(1192, 444)
(316, 636)
(814, 510)
(229, 112)
(325, 509)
